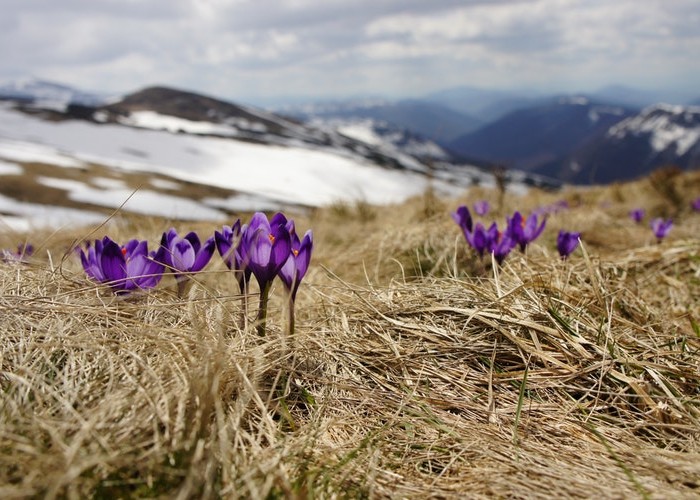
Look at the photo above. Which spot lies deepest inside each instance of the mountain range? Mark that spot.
(570, 138)
(614, 134)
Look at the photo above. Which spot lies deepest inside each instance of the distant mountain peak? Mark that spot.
(47, 94)
(668, 127)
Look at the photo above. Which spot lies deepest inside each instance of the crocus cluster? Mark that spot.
(552, 208)
(125, 268)
(519, 231)
(22, 254)
(262, 248)
(659, 226)
(266, 249)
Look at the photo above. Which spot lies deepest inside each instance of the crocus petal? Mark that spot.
(152, 272)
(259, 248)
(281, 247)
(136, 262)
(463, 218)
(288, 272)
(533, 231)
(303, 258)
(259, 220)
(224, 244)
(134, 246)
(279, 219)
(166, 242)
(193, 238)
(478, 238)
(204, 255)
(182, 255)
(91, 265)
(112, 262)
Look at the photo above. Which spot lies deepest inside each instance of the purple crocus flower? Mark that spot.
(228, 244)
(637, 215)
(661, 227)
(124, 268)
(695, 204)
(525, 231)
(265, 247)
(294, 269)
(185, 255)
(22, 254)
(567, 242)
(481, 239)
(463, 219)
(482, 207)
(501, 246)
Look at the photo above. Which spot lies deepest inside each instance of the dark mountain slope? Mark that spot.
(533, 137)
(658, 136)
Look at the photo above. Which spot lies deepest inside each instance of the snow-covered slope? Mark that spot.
(258, 176)
(392, 140)
(664, 126)
(203, 158)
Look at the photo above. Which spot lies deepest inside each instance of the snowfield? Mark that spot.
(264, 174)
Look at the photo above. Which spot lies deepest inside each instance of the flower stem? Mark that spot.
(182, 283)
(262, 309)
(290, 317)
(243, 320)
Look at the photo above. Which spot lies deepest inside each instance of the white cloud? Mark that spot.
(245, 48)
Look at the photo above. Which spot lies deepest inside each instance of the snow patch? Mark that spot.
(147, 202)
(20, 151)
(22, 216)
(108, 183)
(10, 168)
(667, 126)
(64, 184)
(164, 184)
(361, 131)
(174, 124)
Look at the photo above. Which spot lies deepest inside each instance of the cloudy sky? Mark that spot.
(258, 51)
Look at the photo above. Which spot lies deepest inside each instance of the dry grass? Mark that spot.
(416, 370)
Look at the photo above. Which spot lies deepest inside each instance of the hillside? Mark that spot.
(166, 151)
(660, 135)
(415, 369)
(534, 136)
(427, 119)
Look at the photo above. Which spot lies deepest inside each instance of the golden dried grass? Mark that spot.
(415, 371)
